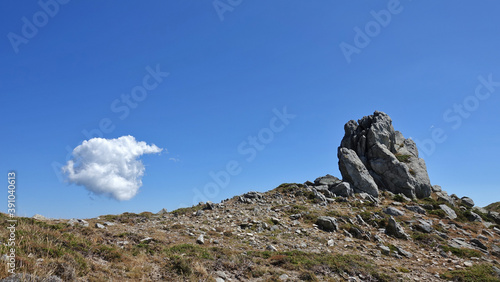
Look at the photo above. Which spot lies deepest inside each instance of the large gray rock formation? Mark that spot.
(373, 156)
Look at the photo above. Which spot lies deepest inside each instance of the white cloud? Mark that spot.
(109, 166)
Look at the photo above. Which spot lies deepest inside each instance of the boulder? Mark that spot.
(468, 202)
(328, 180)
(384, 154)
(443, 196)
(327, 223)
(39, 217)
(436, 188)
(342, 189)
(472, 216)
(495, 250)
(417, 209)
(200, 240)
(393, 211)
(394, 229)
(162, 212)
(449, 211)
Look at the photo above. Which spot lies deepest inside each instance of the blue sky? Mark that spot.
(231, 66)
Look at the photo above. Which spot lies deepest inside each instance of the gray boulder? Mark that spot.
(327, 180)
(342, 189)
(353, 171)
(468, 202)
(394, 229)
(417, 209)
(474, 217)
(327, 223)
(443, 196)
(449, 212)
(393, 211)
(391, 160)
(436, 188)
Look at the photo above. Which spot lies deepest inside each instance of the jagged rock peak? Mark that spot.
(373, 156)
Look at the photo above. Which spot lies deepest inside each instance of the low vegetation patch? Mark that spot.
(478, 272)
(461, 252)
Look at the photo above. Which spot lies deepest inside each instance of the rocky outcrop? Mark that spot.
(373, 156)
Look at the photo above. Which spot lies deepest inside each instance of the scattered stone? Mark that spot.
(198, 213)
(417, 209)
(330, 243)
(162, 212)
(275, 220)
(436, 188)
(39, 217)
(467, 263)
(443, 196)
(327, 223)
(343, 189)
(200, 240)
(271, 248)
(393, 211)
(404, 253)
(328, 180)
(449, 212)
(218, 279)
(80, 222)
(283, 277)
(467, 202)
(394, 229)
(472, 216)
(495, 250)
(476, 242)
(424, 227)
(385, 250)
(318, 197)
(107, 223)
(146, 240)
(295, 216)
(209, 206)
(100, 226)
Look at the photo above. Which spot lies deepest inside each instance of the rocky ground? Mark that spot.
(291, 233)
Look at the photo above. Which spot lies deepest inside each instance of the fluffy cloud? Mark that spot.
(109, 166)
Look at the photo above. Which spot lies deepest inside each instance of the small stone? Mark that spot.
(107, 223)
(404, 253)
(468, 263)
(271, 248)
(200, 240)
(199, 213)
(327, 223)
(146, 240)
(478, 243)
(330, 243)
(417, 209)
(467, 202)
(218, 279)
(39, 217)
(100, 226)
(283, 277)
(221, 274)
(385, 250)
(275, 220)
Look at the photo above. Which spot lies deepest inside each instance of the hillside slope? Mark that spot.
(274, 236)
